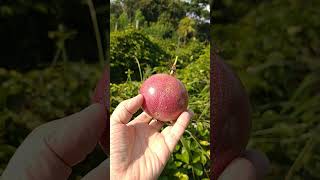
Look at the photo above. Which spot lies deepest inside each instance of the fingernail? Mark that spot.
(191, 113)
(138, 96)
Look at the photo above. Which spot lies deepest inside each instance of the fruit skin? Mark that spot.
(165, 97)
(101, 95)
(230, 116)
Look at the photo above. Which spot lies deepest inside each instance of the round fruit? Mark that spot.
(230, 116)
(165, 97)
(101, 95)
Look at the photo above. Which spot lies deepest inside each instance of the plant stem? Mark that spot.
(139, 68)
(300, 159)
(93, 15)
(173, 67)
(305, 152)
(191, 135)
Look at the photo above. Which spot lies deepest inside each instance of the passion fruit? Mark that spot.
(165, 97)
(230, 116)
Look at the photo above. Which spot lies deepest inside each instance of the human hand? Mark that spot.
(50, 151)
(253, 165)
(137, 149)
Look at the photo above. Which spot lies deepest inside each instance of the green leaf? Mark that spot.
(181, 176)
(198, 169)
(204, 143)
(203, 159)
(177, 163)
(196, 158)
(184, 156)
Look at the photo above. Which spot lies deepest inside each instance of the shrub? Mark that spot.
(129, 45)
(279, 66)
(39, 96)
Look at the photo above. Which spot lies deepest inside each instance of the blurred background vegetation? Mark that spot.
(33, 31)
(50, 63)
(274, 46)
(145, 38)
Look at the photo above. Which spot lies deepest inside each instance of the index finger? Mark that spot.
(172, 134)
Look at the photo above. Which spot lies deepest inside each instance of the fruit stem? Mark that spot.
(173, 67)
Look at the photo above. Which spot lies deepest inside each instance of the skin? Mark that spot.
(252, 165)
(137, 147)
(51, 150)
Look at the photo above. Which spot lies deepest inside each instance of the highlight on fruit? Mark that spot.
(165, 96)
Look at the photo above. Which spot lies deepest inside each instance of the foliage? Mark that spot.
(25, 25)
(39, 96)
(113, 22)
(160, 30)
(192, 154)
(130, 49)
(139, 17)
(186, 28)
(198, 7)
(187, 53)
(123, 20)
(276, 55)
(162, 17)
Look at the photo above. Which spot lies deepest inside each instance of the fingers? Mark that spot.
(157, 125)
(172, 134)
(240, 169)
(253, 165)
(259, 161)
(77, 135)
(125, 110)
(102, 172)
(55, 147)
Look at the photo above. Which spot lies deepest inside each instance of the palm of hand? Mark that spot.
(143, 150)
(137, 149)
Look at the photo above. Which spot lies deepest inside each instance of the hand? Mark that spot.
(253, 165)
(137, 149)
(51, 150)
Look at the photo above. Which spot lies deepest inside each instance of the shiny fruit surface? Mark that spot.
(230, 116)
(165, 97)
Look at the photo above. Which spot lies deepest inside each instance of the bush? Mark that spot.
(160, 30)
(39, 96)
(128, 46)
(187, 53)
(279, 66)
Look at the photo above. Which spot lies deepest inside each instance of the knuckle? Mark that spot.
(123, 104)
